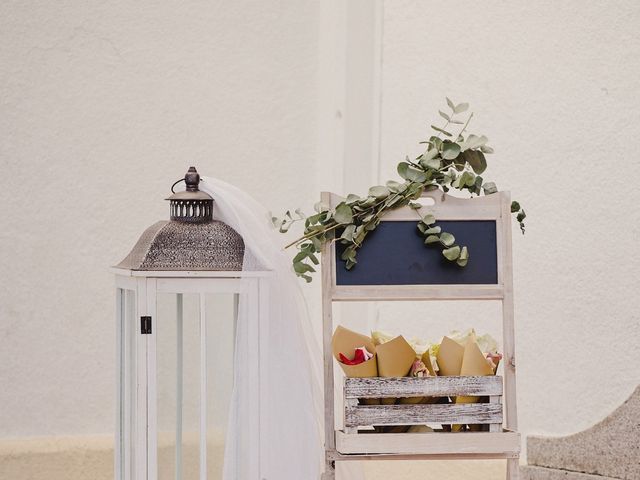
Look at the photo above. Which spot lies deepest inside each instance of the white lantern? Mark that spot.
(177, 296)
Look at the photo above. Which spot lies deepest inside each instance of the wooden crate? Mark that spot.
(497, 443)
(361, 415)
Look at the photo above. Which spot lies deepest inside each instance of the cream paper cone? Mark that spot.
(426, 359)
(474, 363)
(395, 358)
(449, 357)
(345, 341)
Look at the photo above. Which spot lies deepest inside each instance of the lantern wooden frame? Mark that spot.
(136, 446)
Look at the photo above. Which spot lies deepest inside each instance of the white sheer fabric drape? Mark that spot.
(293, 438)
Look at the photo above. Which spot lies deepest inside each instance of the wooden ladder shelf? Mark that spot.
(383, 274)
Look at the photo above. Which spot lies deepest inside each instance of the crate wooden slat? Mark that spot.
(463, 413)
(395, 387)
(504, 444)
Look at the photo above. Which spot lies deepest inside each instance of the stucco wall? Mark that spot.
(554, 87)
(104, 104)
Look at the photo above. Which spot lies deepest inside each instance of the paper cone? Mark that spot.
(449, 357)
(474, 363)
(426, 359)
(346, 341)
(395, 358)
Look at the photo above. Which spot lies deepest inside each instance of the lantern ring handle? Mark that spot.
(175, 183)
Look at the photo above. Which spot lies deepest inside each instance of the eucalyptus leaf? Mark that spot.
(451, 253)
(515, 207)
(450, 150)
(379, 192)
(489, 188)
(436, 143)
(461, 107)
(429, 219)
(475, 159)
(486, 149)
(463, 258)
(343, 214)
(447, 239)
(409, 173)
(299, 257)
(444, 115)
(432, 239)
(474, 141)
(320, 207)
(394, 186)
(521, 216)
(348, 232)
(451, 104)
(301, 267)
(441, 130)
(432, 163)
(433, 230)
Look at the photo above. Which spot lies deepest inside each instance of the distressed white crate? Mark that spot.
(358, 415)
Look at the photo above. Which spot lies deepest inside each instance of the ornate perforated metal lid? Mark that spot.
(191, 240)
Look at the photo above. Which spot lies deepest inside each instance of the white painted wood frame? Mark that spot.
(349, 445)
(136, 416)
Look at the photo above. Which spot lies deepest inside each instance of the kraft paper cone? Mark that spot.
(449, 357)
(426, 359)
(395, 358)
(474, 363)
(345, 341)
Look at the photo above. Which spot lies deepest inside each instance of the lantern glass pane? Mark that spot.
(180, 351)
(126, 352)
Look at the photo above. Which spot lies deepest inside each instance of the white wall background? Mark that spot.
(554, 87)
(103, 105)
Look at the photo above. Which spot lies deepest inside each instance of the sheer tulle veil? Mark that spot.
(293, 437)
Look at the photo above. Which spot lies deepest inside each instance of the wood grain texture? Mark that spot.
(343, 293)
(377, 387)
(504, 444)
(327, 332)
(465, 413)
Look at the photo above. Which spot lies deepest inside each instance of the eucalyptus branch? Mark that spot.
(450, 163)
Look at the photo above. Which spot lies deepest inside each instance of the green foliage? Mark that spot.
(453, 162)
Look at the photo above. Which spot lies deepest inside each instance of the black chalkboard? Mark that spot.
(395, 254)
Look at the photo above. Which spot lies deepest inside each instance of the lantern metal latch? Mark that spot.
(145, 325)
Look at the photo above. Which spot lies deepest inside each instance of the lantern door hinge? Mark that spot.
(145, 325)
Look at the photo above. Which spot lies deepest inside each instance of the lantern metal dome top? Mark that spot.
(191, 240)
(192, 205)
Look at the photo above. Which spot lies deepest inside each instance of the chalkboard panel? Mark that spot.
(395, 254)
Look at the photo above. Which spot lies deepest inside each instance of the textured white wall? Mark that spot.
(555, 88)
(103, 105)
